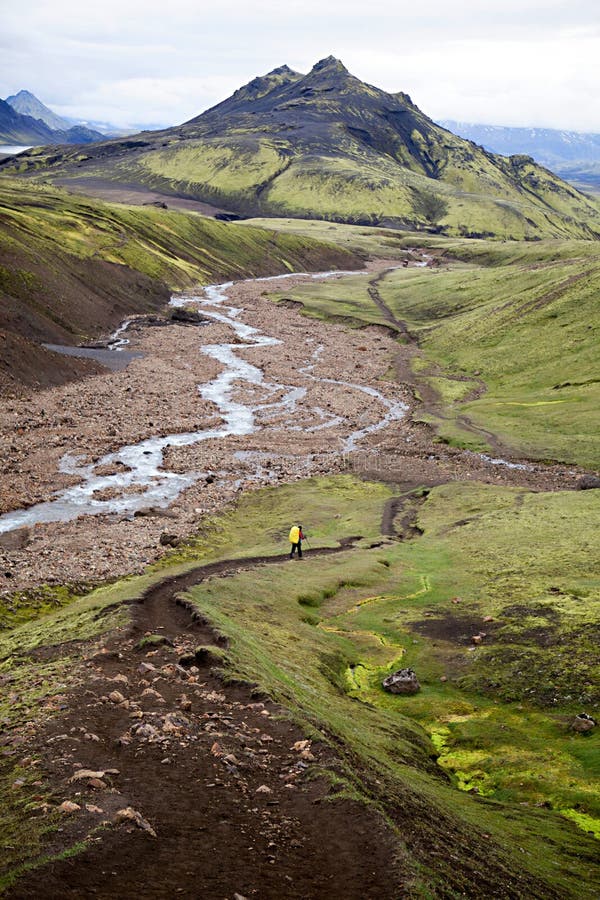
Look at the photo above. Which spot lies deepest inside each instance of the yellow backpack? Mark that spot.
(294, 534)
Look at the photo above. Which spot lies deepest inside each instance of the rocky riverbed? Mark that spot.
(326, 401)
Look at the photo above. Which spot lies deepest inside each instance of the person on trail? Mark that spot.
(296, 538)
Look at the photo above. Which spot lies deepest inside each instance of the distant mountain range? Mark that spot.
(25, 120)
(31, 122)
(27, 104)
(573, 154)
(327, 145)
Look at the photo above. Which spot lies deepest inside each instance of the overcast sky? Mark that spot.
(503, 62)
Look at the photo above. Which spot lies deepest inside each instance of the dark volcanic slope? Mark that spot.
(72, 268)
(327, 145)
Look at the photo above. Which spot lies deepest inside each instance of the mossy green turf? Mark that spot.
(383, 242)
(179, 248)
(522, 319)
(320, 634)
(21, 606)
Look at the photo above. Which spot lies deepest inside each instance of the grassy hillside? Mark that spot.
(326, 145)
(508, 336)
(519, 799)
(73, 268)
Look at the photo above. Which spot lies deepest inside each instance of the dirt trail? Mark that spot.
(376, 297)
(408, 504)
(430, 400)
(221, 788)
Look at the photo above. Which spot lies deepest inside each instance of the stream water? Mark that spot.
(139, 479)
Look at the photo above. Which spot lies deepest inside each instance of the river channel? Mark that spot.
(140, 479)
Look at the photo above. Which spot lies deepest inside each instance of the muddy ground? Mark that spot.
(186, 787)
(157, 395)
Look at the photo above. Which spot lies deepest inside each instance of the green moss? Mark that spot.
(508, 340)
(333, 508)
(23, 828)
(54, 228)
(586, 823)
(367, 628)
(22, 606)
(515, 768)
(152, 640)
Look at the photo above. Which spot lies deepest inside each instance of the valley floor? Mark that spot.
(157, 395)
(163, 740)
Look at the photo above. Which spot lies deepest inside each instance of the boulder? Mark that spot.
(116, 697)
(132, 815)
(188, 316)
(146, 668)
(17, 539)
(87, 774)
(404, 681)
(588, 483)
(583, 723)
(68, 807)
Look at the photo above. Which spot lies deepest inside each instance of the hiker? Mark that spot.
(296, 538)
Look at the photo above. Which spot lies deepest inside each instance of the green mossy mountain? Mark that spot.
(327, 145)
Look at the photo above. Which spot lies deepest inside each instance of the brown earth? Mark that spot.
(224, 791)
(64, 299)
(179, 784)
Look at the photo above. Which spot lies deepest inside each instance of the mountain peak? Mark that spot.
(21, 95)
(330, 64)
(27, 104)
(282, 70)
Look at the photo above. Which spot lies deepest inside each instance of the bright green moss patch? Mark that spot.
(586, 823)
(152, 640)
(346, 300)
(331, 509)
(22, 606)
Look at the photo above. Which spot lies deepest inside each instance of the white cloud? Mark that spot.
(515, 62)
